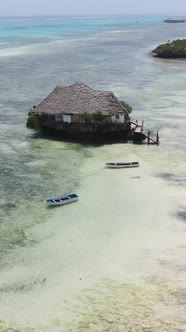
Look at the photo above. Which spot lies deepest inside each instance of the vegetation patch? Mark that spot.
(32, 121)
(175, 49)
(158, 306)
(96, 117)
(99, 117)
(126, 105)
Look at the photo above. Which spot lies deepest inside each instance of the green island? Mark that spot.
(171, 50)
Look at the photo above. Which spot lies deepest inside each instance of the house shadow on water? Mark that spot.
(88, 139)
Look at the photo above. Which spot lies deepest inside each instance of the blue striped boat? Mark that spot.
(62, 199)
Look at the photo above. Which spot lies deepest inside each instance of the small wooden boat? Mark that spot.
(62, 199)
(122, 165)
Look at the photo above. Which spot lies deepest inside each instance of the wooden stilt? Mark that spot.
(157, 137)
(148, 137)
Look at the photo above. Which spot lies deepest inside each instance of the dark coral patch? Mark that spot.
(181, 215)
(179, 179)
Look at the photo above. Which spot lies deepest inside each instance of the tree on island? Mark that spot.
(174, 49)
(32, 122)
(126, 105)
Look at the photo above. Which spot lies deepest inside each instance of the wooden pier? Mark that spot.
(140, 135)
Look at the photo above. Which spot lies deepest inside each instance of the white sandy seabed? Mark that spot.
(113, 261)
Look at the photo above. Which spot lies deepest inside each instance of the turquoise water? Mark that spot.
(31, 27)
(115, 260)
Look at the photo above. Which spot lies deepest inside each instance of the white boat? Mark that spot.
(122, 165)
(62, 199)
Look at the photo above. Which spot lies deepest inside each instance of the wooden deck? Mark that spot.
(139, 134)
(152, 139)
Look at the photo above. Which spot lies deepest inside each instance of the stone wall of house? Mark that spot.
(56, 123)
(87, 127)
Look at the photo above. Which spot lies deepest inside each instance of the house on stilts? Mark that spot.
(81, 111)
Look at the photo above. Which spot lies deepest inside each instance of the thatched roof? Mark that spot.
(79, 98)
